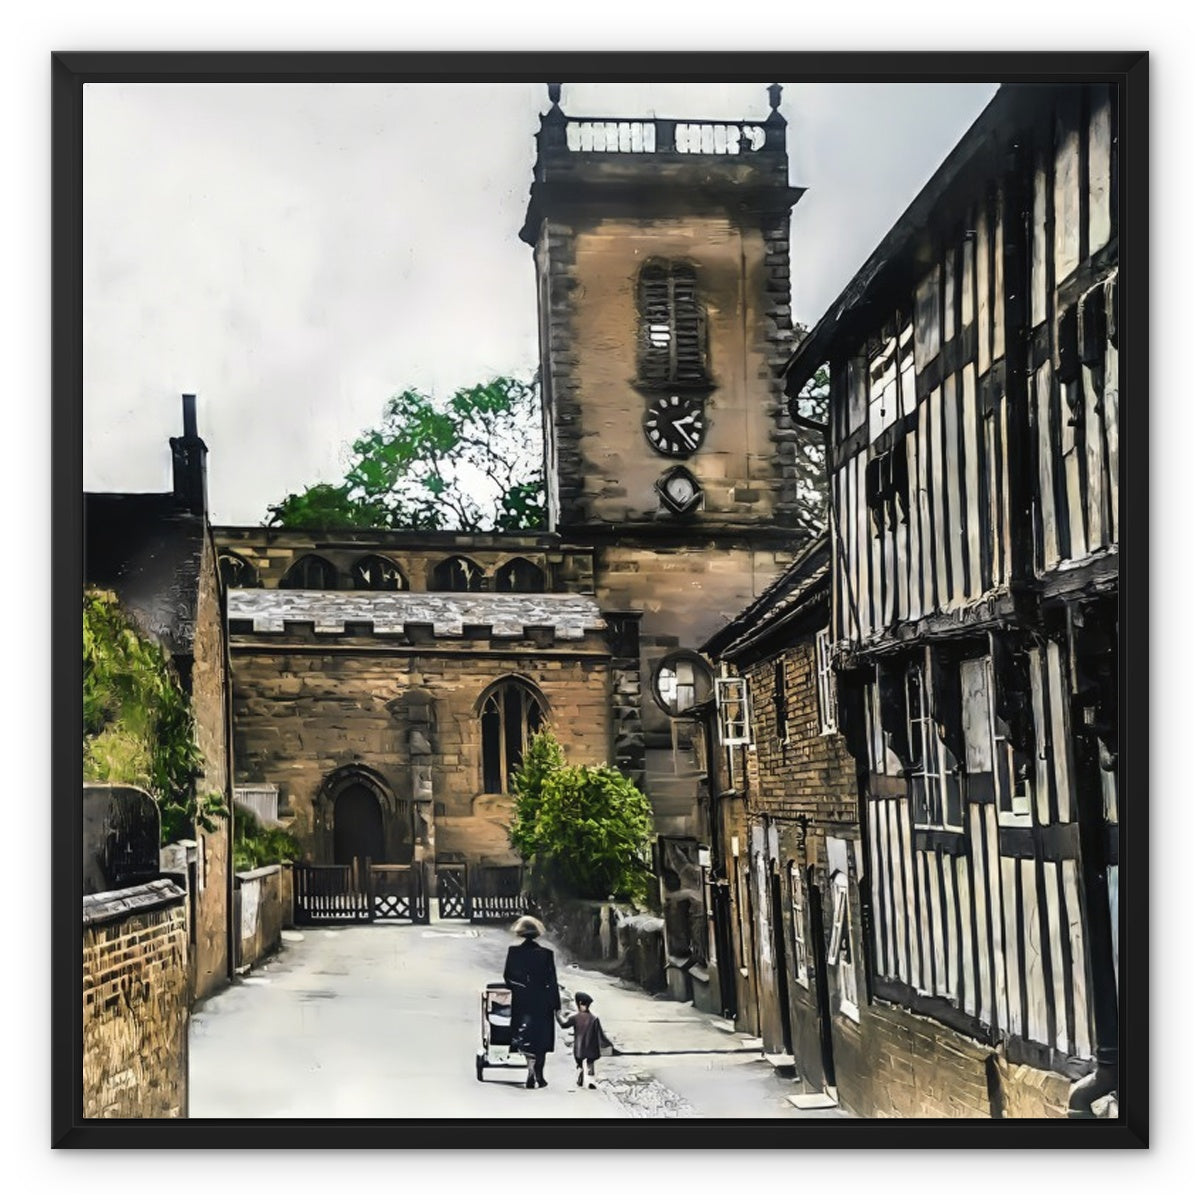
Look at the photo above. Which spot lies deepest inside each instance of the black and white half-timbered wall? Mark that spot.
(973, 466)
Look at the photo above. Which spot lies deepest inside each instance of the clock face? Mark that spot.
(674, 425)
(679, 490)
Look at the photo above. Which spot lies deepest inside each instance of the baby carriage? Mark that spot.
(496, 1030)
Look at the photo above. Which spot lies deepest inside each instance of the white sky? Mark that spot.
(296, 253)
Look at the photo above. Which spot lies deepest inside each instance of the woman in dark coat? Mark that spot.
(529, 972)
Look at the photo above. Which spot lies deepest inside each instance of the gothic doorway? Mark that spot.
(357, 826)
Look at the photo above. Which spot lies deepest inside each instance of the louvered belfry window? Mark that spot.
(673, 350)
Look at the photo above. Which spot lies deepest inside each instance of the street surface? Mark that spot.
(379, 1021)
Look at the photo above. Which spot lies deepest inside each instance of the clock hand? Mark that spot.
(678, 425)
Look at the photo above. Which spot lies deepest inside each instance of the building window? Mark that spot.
(510, 713)
(236, 572)
(988, 750)
(781, 712)
(840, 954)
(733, 709)
(672, 346)
(826, 710)
(374, 573)
(311, 573)
(520, 575)
(934, 780)
(457, 574)
(799, 933)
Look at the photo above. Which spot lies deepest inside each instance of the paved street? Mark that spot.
(383, 1021)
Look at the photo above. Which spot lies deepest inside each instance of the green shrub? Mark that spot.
(257, 846)
(584, 829)
(137, 720)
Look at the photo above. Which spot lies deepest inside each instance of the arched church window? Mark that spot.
(458, 574)
(236, 572)
(520, 575)
(374, 573)
(311, 573)
(672, 342)
(510, 713)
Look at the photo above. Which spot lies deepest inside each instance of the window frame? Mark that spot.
(494, 704)
(799, 897)
(826, 683)
(840, 953)
(733, 710)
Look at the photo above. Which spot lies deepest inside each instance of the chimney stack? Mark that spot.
(189, 457)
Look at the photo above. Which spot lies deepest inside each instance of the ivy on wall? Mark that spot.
(138, 727)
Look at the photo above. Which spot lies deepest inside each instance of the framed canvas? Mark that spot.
(659, 509)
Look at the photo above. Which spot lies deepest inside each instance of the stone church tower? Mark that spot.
(661, 254)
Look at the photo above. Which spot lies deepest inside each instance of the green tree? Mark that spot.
(137, 720)
(471, 463)
(583, 828)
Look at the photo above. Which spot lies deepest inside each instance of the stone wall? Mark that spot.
(135, 1002)
(610, 937)
(305, 710)
(259, 913)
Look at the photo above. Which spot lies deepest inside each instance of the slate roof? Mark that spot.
(148, 549)
(572, 616)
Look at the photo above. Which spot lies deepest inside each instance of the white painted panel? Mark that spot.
(937, 497)
(967, 307)
(971, 475)
(1094, 451)
(976, 715)
(998, 343)
(983, 291)
(954, 467)
(1112, 434)
(1066, 201)
(1003, 532)
(1037, 273)
(1046, 391)
(1042, 740)
(915, 545)
(949, 297)
(1012, 933)
(963, 871)
(992, 854)
(924, 524)
(1083, 1038)
(933, 875)
(927, 320)
(1035, 970)
(953, 969)
(923, 943)
(1060, 742)
(899, 818)
(1099, 171)
(910, 893)
(1057, 969)
(983, 949)
(866, 613)
(878, 887)
(1114, 874)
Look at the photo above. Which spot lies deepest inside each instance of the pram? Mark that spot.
(496, 1030)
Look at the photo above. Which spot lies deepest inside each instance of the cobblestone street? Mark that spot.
(384, 1021)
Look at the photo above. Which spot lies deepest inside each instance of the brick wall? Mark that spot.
(135, 1003)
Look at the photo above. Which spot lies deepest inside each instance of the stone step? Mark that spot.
(782, 1064)
(811, 1100)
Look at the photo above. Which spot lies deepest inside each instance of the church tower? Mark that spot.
(661, 254)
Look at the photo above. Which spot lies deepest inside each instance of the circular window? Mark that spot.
(681, 681)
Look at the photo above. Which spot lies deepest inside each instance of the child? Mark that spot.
(589, 1037)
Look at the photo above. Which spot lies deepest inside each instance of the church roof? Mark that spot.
(508, 615)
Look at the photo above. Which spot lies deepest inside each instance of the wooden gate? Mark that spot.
(398, 893)
(452, 891)
(336, 894)
(494, 894)
(328, 893)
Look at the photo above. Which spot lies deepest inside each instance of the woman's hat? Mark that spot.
(529, 927)
(583, 998)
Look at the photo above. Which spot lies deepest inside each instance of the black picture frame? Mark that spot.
(70, 72)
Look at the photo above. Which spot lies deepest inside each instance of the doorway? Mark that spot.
(357, 826)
